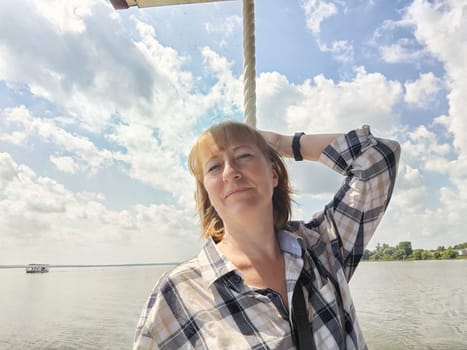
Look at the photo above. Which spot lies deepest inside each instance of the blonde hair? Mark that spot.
(222, 135)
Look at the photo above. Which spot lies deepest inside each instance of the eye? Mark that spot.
(213, 167)
(244, 155)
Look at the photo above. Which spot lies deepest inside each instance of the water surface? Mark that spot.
(401, 305)
(412, 305)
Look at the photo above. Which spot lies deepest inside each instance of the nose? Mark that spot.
(231, 171)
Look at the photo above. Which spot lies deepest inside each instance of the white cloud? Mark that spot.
(400, 52)
(411, 196)
(422, 146)
(145, 159)
(420, 212)
(274, 95)
(73, 62)
(167, 110)
(438, 164)
(65, 164)
(324, 105)
(65, 16)
(152, 163)
(226, 93)
(441, 26)
(29, 125)
(439, 30)
(341, 50)
(7, 169)
(40, 210)
(317, 11)
(227, 26)
(395, 42)
(98, 78)
(175, 98)
(423, 92)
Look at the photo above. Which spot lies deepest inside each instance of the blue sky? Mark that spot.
(99, 108)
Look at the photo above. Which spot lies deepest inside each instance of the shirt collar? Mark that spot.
(213, 264)
(290, 243)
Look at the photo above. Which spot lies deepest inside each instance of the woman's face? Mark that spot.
(239, 180)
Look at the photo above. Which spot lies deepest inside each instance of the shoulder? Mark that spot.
(180, 276)
(172, 291)
(319, 248)
(308, 233)
(167, 305)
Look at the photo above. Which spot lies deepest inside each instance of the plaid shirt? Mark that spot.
(204, 304)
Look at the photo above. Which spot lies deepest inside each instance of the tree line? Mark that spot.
(404, 251)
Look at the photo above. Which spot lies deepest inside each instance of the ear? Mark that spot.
(275, 177)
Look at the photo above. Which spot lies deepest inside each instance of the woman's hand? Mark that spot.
(281, 143)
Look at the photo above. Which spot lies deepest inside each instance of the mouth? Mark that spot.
(235, 191)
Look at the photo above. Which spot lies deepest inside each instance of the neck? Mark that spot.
(250, 245)
(256, 253)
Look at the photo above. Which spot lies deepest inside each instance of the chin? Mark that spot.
(245, 209)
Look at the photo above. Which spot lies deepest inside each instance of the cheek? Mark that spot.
(211, 188)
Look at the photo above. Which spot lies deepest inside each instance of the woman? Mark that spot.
(241, 291)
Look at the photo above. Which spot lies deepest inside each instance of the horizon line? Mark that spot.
(90, 265)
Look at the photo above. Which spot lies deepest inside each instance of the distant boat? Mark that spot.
(37, 268)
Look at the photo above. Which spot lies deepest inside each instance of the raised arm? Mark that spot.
(370, 165)
(311, 146)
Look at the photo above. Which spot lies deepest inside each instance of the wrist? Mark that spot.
(285, 148)
(296, 149)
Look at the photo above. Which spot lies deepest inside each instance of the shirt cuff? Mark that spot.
(340, 154)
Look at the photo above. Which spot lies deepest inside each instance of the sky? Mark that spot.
(99, 109)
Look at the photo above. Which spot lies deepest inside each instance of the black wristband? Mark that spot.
(296, 146)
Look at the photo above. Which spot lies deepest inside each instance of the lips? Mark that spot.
(237, 190)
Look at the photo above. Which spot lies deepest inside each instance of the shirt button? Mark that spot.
(236, 279)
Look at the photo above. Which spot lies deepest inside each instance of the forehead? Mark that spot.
(210, 147)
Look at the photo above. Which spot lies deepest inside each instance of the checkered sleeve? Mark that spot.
(351, 217)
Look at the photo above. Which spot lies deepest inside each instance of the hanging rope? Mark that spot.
(249, 62)
(249, 59)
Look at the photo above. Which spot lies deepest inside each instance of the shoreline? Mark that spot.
(91, 265)
(176, 263)
(462, 257)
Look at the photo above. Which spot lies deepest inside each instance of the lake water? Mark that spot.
(401, 305)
